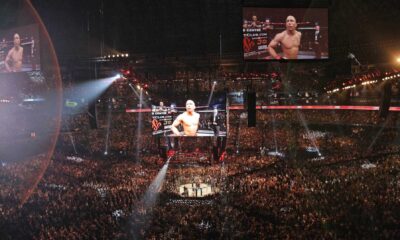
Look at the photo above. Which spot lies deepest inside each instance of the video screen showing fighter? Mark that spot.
(19, 49)
(282, 33)
(191, 117)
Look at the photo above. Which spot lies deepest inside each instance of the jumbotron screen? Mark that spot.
(192, 117)
(285, 33)
(19, 49)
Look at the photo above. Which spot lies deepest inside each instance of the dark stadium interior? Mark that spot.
(173, 119)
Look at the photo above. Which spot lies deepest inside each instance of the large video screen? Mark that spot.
(193, 117)
(285, 33)
(19, 49)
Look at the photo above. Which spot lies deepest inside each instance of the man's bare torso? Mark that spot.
(290, 44)
(14, 59)
(190, 123)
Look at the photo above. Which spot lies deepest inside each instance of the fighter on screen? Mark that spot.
(188, 119)
(288, 39)
(13, 61)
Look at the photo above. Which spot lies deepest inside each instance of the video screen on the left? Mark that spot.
(196, 117)
(19, 49)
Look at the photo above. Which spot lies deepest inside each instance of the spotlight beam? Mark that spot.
(71, 138)
(108, 126)
(211, 93)
(139, 128)
(138, 95)
(377, 135)
(304, 123)
(149, 199)
(89, 90)
(154, 189)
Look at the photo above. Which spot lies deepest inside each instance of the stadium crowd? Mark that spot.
(351, 191)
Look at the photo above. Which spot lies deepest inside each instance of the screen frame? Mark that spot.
(176, 111)
(280, 5)
(35, 31)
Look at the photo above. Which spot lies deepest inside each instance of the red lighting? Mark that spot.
(170, 153)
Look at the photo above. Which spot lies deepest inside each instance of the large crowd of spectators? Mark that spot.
(336, 177)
